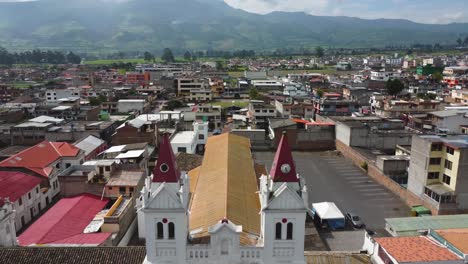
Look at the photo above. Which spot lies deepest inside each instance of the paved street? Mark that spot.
(335, 179)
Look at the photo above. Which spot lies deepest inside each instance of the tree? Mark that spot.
(219, 65)
(167, 55)
(173, 104)
(319, 93)
(394, 87)
(254, 94)
(459, 41)
(319, 52)
(94, 101)
(465, 42)
(188, 56)
(437, 77)
(73, 58)
(148, 56)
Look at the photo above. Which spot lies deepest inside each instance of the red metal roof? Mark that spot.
(166, 169)
(14, 184)
(39, 157)
(65, 222)
(284, 169)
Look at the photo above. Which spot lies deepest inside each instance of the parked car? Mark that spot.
(355, 220)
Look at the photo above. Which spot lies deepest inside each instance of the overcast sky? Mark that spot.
(425, 11)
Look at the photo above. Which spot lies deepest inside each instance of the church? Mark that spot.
(224, 211)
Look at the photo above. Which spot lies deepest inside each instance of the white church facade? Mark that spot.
(228, 210)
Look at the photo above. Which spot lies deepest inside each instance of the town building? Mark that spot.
(44, 162)
(420, 249)
(224, 200)
(184, 86)
(289, 108)
(384, 76)
(191, 142)
(132, 105)
(259, 113)
(54, 228)
(437, 171)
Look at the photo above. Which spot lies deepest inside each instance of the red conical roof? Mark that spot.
(166, 167)
(283, 168)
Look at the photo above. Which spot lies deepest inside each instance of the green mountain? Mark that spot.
(85, 25)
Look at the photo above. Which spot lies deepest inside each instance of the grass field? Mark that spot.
(237, 103)
(329, 70)
(23, 85)
(107, 62)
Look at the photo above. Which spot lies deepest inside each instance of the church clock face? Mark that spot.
(285, 168)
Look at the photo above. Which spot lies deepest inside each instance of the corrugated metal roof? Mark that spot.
(411, 225)
(226, 188)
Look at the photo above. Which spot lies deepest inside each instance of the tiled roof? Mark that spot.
(39, 157)
(65, 222)
(73, 255)
(415, 249)
(226, 188)
(14, 184)
(457, 237)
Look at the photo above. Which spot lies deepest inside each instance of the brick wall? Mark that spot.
(406, 196)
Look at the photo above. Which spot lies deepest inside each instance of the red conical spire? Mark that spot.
(283, 169)
(166, 167)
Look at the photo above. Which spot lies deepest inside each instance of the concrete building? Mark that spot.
(56, 96)
(131, 105)
(184, 86)
(289, 108)
(384, 76)
(437, 171)
(259, 113)
(224, 224)
(191, 142)
(7, 224)
(448, 121)
(372, 132)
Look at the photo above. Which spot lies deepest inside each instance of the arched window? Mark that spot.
(159, 230)
(225, 247)
(278, 231)
(171, 230)
(289, 231)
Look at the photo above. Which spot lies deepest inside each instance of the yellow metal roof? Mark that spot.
(226, 187)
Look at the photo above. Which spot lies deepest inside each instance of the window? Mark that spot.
(201, 136)
(171, 230)
(450, 150)
(225, 247)
(29, 195)
(435, 161)
(122, 189)
(37, 189)
(184, 150)
(67, 165)
(159, 230)
(289, 231)
(130, 189)
(433, 175)
(107, 168)
(446, 179)
(20, 201)
(278, 231)
(436, 147)
(57, 165)
(448, 164)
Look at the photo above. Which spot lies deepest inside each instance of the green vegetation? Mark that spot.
(225, 104)
(365, 166)
(394, 87)
(111, 61)
(167, 55)
(22, 85)
(173, 104)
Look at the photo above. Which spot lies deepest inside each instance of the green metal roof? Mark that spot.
(409, 224)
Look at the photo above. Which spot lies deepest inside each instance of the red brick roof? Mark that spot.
(415, 249)
(14, 184)
(65, 222)
(39, 157)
